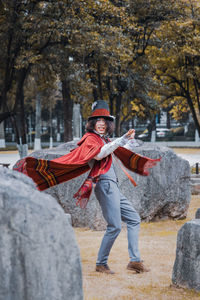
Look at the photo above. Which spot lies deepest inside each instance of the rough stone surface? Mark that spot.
(69, 218)
(197, 215)
(39, 257)
(195, 184)
(186, 270)
(164, 194)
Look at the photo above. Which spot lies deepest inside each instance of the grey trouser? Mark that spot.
(116, 208)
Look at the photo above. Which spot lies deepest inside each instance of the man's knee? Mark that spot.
(114, 229)
(135, 220)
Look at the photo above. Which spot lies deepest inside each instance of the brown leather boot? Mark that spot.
(137, 266)
(104, 269)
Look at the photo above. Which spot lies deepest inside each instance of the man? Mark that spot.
(94, 153)
(115, 207)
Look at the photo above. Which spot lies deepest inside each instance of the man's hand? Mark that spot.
(130, 134)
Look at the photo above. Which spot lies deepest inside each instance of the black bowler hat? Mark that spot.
(100, 109)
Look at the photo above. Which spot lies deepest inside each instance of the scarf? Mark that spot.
(46, 173)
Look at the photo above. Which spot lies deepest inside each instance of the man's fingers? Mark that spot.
(130, 132)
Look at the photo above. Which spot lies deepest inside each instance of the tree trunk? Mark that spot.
(37, 140)
(111, 95)
(168, 120)
(2, 136)
(51, 128)
(58, 137)
(118, 115)
(95, 94)
(197, 94)
(30, 130)
(186, 92)
(67, 111)
(4, 116)
(77, 132)
(150, 128)
(197, 136)
(19, 109)
(99, 80)
(153, 133)
(95, 83)
(194, 115)
(111, 101)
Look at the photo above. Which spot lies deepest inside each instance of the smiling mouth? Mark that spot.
(101, 128)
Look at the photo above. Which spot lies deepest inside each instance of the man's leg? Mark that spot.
(132, 219)
(108, 195)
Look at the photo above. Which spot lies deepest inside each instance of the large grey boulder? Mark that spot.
(39, 256)
(163, 194)
(195, 184)
(186, 270)
(197, 214)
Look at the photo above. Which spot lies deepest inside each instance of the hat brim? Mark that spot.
(110, 118)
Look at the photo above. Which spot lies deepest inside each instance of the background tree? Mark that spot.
(176, 62)
(27, 29)
(113, 50)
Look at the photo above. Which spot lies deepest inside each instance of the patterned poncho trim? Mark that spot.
(46, 173)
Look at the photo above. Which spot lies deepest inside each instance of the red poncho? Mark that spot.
(46, 173)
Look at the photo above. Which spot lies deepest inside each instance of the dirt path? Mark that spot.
(157, 246)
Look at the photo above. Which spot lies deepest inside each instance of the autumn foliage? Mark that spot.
(141, 56)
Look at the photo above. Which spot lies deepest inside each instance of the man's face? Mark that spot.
(100, 126)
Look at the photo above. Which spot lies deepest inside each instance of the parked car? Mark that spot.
(162, 132)
(144, 134)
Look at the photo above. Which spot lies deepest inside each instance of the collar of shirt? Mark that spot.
(101, 135)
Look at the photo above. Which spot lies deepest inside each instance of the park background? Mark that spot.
(58, 57)
(143, 58)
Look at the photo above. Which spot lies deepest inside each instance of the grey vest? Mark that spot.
(111, 174)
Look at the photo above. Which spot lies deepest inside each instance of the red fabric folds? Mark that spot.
(46, 173)
(20, 166)
(100, 167)
(135, 162)
(84, 193)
